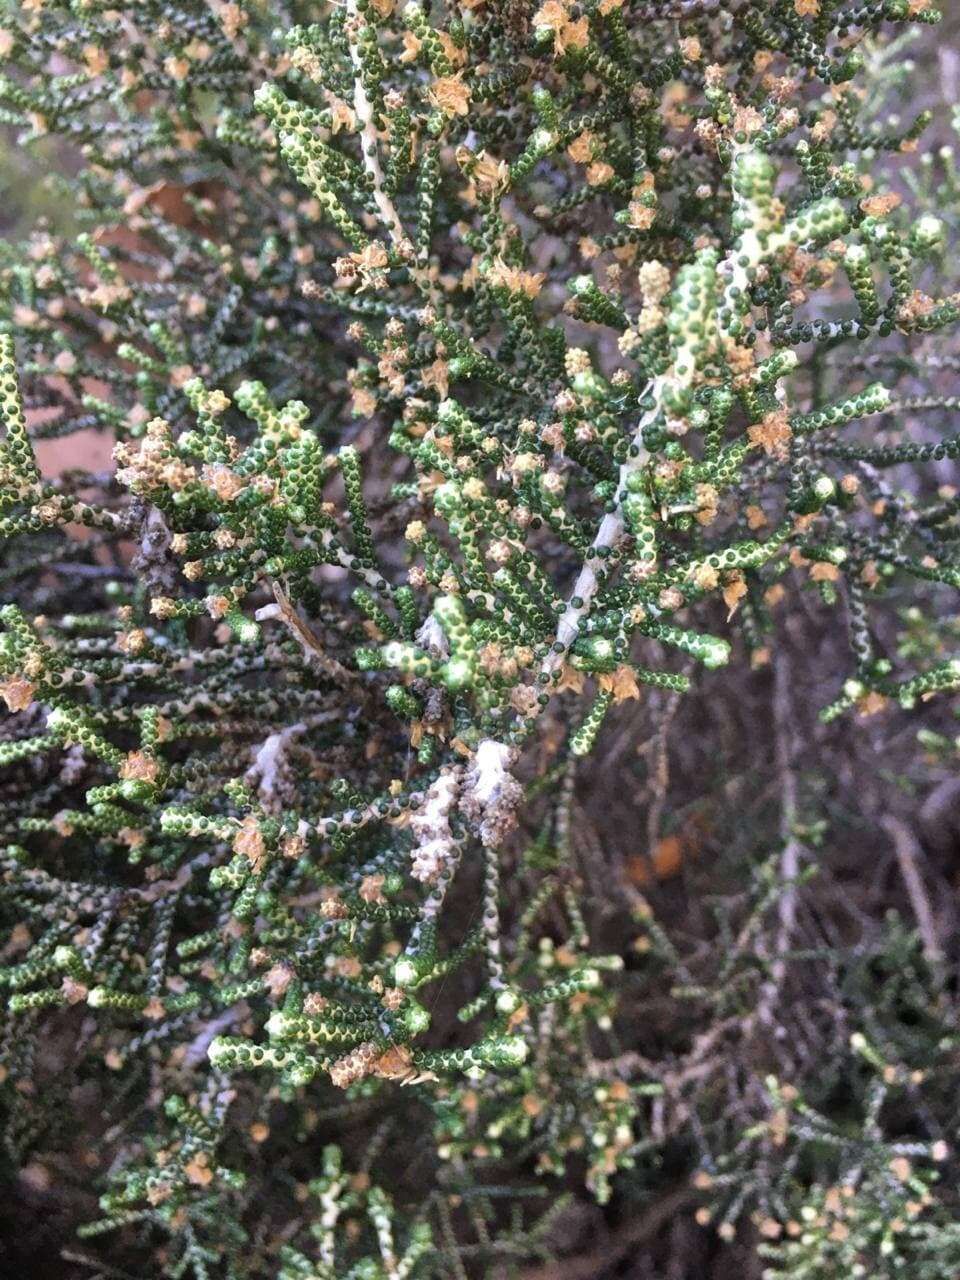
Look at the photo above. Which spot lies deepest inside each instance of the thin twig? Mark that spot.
(909, 853)
(313, 651)
(789, 865)
(370, 151)
(591, 1266)
(789, 811)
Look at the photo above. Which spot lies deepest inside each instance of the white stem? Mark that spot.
(369, 141)
(370, 151)
(608, 535)
(735, 273)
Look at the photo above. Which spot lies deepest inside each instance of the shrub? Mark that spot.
(470, 372)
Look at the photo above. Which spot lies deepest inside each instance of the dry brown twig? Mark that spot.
(909, 854)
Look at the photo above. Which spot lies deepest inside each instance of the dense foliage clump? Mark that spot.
(477, 378)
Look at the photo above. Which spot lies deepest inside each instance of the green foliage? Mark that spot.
(416, 484)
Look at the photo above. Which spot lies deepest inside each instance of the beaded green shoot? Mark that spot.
(470, 371)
